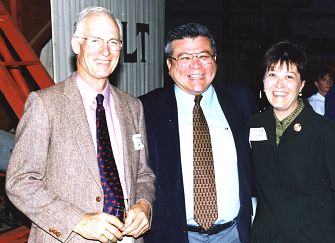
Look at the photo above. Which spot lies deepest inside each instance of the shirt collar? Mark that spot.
(88, 94)
(320, 96)
(207, 96)
(188, 99)
(282, 125)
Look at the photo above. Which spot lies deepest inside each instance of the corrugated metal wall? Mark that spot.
(142, 58)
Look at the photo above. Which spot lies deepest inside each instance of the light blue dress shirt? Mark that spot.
(224, 154)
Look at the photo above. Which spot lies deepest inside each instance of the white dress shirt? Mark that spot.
(224, 154)
(317, 101)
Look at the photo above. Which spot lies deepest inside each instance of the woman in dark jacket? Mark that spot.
(293, 157)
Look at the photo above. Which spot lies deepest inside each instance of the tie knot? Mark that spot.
(197, 99)
(100, 99)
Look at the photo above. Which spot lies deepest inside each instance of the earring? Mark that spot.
(300, 94)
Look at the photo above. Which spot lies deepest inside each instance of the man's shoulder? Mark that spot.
(156, 97)
(239, 97)
(153, 93)
(123, 99)
(56, 88)
(122, 94)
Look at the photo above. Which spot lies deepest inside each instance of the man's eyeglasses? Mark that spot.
(98, 43)
(186, 59)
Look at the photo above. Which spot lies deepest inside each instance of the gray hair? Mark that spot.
(189, 30)
(78, 27)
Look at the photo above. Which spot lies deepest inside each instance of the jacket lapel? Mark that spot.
(169, 122)
(125, 121)
(270, 128)
(230, 111)
(297, 127)
(77, 121)
(169, 111)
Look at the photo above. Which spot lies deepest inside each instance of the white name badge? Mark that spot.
(138, 145)
(257, 134)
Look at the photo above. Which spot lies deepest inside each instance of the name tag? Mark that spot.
(137, 140)
(257, 134)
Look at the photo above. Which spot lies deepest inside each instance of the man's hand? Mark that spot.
(101, 227)
(137, 221)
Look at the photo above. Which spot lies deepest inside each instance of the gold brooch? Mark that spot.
(297, 127)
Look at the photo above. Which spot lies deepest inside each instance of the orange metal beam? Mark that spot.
(18, 235)
(13, 33)
(14, 72)
(41, 38)
(40, 75)
(18, 63)
(20, 69)
(15, 97)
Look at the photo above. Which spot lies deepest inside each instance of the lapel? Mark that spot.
(170, 113)
(231, 113)
(77, 121)
(269, 123)
(292, 130)
(126, 122)
(170, 120)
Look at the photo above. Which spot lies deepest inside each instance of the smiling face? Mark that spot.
(324, 84)
(95, 65)
(282, 85)
(196, 77)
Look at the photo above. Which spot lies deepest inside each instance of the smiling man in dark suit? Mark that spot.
(191, 60)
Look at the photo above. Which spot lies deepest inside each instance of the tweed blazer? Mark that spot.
(53, 176)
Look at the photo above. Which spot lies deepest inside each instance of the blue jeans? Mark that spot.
(229, 235)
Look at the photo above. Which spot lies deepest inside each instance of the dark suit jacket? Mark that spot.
(169, 217)
(295, 180)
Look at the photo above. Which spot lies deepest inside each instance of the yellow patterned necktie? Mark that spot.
(205, 205)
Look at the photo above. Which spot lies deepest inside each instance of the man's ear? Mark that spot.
(168, 63)
(75, 45)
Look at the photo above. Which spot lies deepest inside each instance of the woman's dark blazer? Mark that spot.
(295, 180)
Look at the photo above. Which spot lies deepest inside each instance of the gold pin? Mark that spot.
(297, 127)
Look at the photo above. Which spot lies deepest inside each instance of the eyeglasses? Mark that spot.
(97, 43)
(186, 59)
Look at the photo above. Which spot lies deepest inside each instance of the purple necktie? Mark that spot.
(110, 181)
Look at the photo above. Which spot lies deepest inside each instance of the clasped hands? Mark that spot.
(103, 227)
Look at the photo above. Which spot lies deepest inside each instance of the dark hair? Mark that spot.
(286, 52)
(190, 30)
(320, 71)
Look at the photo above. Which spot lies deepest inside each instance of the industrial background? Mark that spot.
(35, 51)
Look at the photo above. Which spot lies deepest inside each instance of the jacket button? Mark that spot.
(98, 199)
